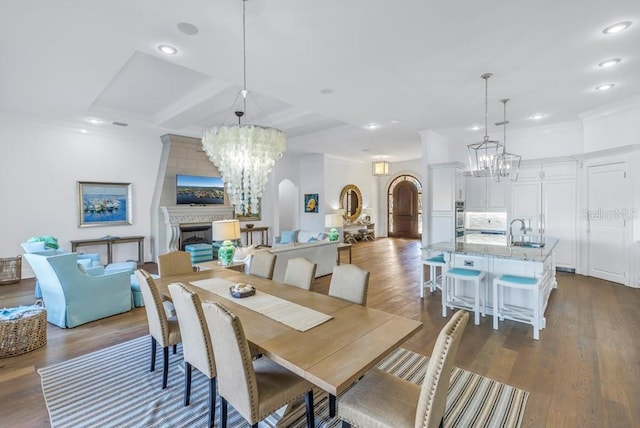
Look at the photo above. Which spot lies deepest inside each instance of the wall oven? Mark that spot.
(459, 219)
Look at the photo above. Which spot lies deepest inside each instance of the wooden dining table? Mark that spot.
(332, 355)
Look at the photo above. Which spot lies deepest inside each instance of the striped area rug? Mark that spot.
(114, 388)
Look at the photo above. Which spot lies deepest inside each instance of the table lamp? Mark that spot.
(226, 231)
(333, 221)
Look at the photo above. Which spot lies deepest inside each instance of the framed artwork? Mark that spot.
(104, 204)
(311, 203)
(249, 216)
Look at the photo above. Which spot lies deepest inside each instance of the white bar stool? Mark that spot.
(433, 263)
(449, 298)
(525, 315)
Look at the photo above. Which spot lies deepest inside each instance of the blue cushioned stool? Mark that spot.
(433, 263)
(199, 252)
(531, 316)
(449, 298)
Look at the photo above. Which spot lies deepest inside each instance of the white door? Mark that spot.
(559, 219)
(606, 189)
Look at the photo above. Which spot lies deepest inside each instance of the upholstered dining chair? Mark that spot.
(383, 400)
(255, 388)
(163, 330)
(350, 283)
(262, 264)
(196, 343)
(300, 273)
(174, 263)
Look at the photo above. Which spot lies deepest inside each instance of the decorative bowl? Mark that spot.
(249, 225)
(245, 291)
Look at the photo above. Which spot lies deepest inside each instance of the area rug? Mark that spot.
(114, 388)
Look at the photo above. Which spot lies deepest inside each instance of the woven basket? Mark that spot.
(10, 270)
(23, 334)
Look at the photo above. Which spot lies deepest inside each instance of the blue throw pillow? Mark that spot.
(286, 237)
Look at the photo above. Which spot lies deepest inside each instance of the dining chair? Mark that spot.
(262, 264)
(196, 342)
(163, 330)
(351, 283)
(255, 388)
(174, 263)
(300, 273)
(384, 400)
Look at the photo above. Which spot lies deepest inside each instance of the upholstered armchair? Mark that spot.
(73, 297)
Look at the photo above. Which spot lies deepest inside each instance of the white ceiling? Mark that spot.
(417, 62)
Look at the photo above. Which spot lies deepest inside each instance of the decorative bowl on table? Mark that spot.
(249, 225)
(241, 290)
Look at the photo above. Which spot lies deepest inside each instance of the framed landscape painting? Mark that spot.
(311, 203)
(104, 204)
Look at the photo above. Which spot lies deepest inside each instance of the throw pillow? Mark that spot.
(287, 236)
(304, 236)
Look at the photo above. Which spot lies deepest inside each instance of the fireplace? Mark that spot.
(195, 234)
(186, 218)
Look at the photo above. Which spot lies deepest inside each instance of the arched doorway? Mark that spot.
(404, 202)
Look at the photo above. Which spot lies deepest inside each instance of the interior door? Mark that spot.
(606, 189)
(405, 210)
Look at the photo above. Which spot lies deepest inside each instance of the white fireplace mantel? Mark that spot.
(177, 215)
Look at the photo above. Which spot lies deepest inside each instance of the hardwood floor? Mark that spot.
(583, 372)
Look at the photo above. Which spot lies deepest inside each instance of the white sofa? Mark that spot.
(323, 253)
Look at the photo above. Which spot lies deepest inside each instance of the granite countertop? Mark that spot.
(494, 246)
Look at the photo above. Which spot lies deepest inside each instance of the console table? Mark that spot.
(110, 241)
(264, 234)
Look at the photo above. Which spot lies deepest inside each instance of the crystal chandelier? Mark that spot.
(482, 155)
(244, 154)
(505, 165)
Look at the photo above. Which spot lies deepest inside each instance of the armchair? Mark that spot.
(73, 297)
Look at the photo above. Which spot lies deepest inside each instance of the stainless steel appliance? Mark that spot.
(459, 219)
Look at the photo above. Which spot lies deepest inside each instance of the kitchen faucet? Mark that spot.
(523, 228)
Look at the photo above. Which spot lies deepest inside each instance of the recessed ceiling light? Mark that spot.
(609, 62)
(394, 122)
(326, 91)
(475, 127)
(605, 86)
(94, 120)
(83, 131)
(372, 125)
(537, 116)
(616, 28)
(167, 49)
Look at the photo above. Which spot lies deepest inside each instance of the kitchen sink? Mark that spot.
(528, 244)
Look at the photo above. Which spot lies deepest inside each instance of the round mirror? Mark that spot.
(351, 202)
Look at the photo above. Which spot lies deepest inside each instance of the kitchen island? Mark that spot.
(492, 255)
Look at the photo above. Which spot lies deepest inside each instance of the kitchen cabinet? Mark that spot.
(548, 204)
(447, 186)
(485, 194)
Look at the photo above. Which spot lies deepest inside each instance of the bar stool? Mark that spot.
(434, 263)
(449, 298)
(531, 316)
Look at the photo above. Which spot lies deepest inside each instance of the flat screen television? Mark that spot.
(199, 190)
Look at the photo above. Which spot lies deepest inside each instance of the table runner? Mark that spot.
(288, 313)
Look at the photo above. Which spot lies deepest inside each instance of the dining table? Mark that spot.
(331, 355)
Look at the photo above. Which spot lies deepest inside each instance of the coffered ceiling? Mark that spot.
(320, 70)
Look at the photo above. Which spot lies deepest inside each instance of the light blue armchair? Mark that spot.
(73, 297)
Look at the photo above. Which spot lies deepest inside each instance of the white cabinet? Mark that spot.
(484, 194)
(447, 186)
(548, 205)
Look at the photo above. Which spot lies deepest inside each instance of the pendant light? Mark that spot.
(482, 155)
(506, 166)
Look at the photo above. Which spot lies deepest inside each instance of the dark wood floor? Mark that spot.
(583, 372)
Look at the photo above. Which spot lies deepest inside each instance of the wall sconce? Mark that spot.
(381, 168)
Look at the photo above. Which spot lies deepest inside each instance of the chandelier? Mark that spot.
(244, 154)
(505, 165)
(482, 155)
(380, 167)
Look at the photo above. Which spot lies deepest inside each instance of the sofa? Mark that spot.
(322, 252)
(288, 237)
(73, 296)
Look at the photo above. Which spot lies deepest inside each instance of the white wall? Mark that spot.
(40, 165)
(612, 126)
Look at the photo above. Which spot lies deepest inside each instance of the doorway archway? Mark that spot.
(404, 207)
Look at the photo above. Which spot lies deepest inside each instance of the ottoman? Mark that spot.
(136, 294)
(199, 252)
